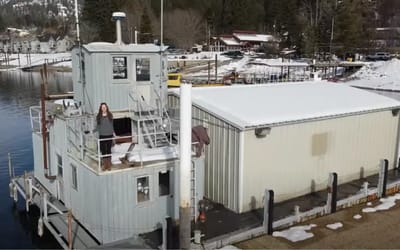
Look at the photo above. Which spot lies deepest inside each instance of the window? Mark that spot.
(59, 165)
(163, 183)
(143, 189)
(143, 69)
(120, 69)
(74, 177)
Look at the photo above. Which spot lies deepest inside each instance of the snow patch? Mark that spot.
(295, 234)
(357, 217)
(335, 226)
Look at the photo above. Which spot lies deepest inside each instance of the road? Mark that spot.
(379, 230)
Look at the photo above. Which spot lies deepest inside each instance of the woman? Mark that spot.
(105, 128)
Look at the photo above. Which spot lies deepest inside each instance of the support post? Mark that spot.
(268, 211)
(382, 181)
(332, 193)
(10, 172)
(185, 143)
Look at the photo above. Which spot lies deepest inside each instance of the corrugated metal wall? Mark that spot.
(221, 157)
(107, 204)
(293, 158)
(100, 85)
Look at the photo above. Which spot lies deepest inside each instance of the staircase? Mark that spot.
(152, 121)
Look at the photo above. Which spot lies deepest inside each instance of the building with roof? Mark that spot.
(243, 40)
(289, 137)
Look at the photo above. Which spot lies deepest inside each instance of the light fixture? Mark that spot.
(262, 132)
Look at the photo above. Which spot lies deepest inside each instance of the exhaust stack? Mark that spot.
(117, 17)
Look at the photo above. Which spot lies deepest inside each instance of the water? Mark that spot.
(19, 91)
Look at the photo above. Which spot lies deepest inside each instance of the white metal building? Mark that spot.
(289, 137)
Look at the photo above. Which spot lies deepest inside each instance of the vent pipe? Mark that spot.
(117, 17)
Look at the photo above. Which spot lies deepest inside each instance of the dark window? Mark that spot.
(143, 69)
(59, 165)
(163, 183)
(74, 177)
(120, 69)
(143, 189)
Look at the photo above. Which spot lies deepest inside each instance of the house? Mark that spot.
(64, 44)
(243, 40)
(289, 138)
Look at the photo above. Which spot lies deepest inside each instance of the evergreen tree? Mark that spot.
(146, 33)
(350, 26)
(98, 13)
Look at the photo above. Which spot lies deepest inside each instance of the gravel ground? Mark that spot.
(379, 230)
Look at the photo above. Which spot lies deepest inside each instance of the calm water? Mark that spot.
(19, 91)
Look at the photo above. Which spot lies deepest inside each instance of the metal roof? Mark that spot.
(111, 47)
(250, 106)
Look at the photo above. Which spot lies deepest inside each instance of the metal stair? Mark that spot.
(152, 120)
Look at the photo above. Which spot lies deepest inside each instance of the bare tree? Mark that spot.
(184, 27)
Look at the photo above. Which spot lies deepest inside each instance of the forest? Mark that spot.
(308, 26)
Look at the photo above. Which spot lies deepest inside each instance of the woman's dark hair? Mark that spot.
(99, 114)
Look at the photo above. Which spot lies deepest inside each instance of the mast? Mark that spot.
(78, 40)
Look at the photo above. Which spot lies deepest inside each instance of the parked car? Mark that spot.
(234, 54)
(379, 56)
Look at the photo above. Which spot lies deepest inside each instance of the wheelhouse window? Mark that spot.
(163, 183)
(120, 69)
(143, 69)
(59, 165)
(74, 177)
(143, 189)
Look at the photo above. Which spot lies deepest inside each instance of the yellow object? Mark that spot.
(174, 80)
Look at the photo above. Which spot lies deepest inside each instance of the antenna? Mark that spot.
(77, 21)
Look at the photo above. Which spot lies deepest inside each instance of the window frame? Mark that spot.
(148, 76)
(126, 70)
(139, 193)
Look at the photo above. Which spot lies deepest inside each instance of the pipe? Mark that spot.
(185, 163)
(117, 17)
(43, 73)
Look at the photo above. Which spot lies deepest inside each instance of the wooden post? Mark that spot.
(382, 181)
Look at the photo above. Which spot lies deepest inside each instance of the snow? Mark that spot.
(295, 234)
(229, 247)
(335, 226)
(297, 102)
(381, 75)
(38, 59)
(357, 217)
(386, 203)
